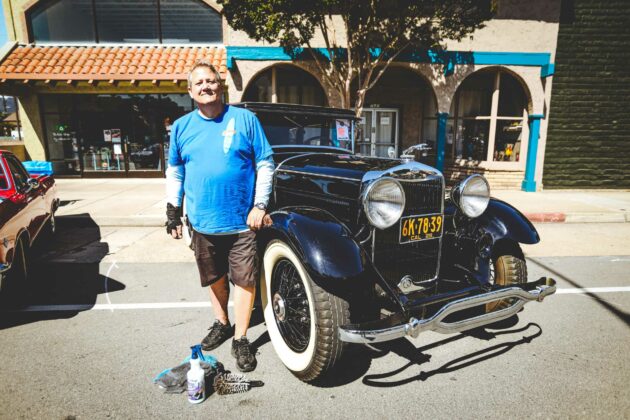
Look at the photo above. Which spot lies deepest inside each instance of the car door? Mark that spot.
(30, 198)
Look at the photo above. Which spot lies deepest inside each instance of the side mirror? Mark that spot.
(32, 183)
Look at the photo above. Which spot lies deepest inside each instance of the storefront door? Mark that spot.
(379, 132)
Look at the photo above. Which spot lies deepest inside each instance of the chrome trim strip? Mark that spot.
(436, 323)
(308, 146)
(308, 154)
(290, 171)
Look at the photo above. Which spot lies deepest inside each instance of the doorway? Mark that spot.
(379, 132)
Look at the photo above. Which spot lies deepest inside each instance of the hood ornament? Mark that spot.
(408, 155)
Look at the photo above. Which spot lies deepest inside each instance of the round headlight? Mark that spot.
(384, 202)
(472, 195)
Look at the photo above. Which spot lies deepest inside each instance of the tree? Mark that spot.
(376, 32)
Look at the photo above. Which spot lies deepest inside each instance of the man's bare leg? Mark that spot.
(219, 295)
(243, 304)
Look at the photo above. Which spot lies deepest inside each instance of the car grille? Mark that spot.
(418, 259)
(423, 197)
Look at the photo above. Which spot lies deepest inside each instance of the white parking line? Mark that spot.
(594, 290)
(112, 306)
(106, 282)
(189, 305)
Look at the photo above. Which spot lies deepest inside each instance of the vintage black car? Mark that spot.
(365, 250)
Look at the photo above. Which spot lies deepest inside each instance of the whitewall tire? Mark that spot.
(302, 319)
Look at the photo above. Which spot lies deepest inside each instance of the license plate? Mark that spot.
(419, 228)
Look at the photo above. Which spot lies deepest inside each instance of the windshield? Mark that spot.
(307, 130)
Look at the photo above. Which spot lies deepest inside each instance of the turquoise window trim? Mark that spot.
(547, 70)
(440, 144)
(447, 58)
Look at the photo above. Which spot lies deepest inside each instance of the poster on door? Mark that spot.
(343, 130)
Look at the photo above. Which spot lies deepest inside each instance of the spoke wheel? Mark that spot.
(302, 319)
(290, 306)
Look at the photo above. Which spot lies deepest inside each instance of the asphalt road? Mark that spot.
(105, 322)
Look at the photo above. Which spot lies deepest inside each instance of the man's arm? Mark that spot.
(174, 194)
(264, 178)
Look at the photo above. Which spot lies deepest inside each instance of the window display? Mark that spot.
(487, 116)
(110, 133)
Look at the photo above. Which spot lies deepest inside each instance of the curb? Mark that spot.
(577, 217)
(546, 217)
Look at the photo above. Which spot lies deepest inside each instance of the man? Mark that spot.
(219, 156)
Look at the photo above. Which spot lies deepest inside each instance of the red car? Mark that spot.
(27, 208)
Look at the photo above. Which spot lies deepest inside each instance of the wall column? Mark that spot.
(529, 183)
(440, 143)
(32, 131)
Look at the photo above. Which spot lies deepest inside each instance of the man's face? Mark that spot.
(205, 88)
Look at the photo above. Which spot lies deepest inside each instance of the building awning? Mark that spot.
(110, 63)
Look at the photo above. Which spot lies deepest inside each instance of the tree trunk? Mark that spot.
(358, 104)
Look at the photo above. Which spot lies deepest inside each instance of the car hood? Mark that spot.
(359, 168)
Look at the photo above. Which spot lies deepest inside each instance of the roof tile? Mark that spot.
(106, 63)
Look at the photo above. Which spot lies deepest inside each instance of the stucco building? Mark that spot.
(99, 83)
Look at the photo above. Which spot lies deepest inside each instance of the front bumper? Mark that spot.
(522, 293)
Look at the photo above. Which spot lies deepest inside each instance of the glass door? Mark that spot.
(379, 132)
(102, 125)
(364, 141)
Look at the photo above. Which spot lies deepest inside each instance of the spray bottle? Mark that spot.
(196, 380)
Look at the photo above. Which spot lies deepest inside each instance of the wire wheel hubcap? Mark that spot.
(290, 306)
(279, 307)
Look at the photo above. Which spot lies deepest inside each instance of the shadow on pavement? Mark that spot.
(64, 276)
(623, 316)
(417, 357)
(358, 358)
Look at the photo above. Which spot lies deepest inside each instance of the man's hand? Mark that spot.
(258, 218)
(174, 221)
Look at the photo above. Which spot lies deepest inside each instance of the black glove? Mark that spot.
(173, 217)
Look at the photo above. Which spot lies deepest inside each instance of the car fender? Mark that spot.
(325, 245)
(503, 221)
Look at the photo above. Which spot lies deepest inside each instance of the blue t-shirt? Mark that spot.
(219, 157)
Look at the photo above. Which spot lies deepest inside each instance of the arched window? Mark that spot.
(292, 86)
(488, 114)
(121, 21)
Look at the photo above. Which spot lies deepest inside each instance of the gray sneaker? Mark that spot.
(245, 355)
(218, 334)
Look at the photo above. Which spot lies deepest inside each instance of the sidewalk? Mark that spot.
(141, 202)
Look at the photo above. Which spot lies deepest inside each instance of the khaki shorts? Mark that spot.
(217, 255)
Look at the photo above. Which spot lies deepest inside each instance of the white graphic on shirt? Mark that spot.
(228, 135)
